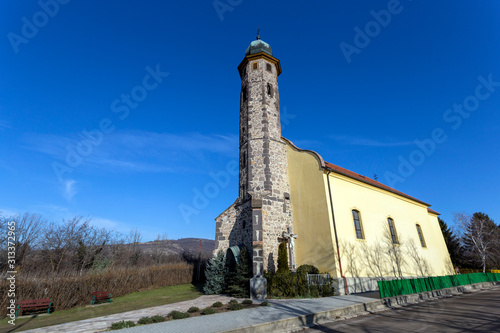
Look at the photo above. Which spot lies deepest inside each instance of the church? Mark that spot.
(354, 228)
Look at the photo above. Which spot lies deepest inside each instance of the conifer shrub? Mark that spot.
(208, 311)
(215, 275)
(309, 269)
(235, 306)
(217, 304)
(265, 303)
(122, 324)
(178, 315)
(145, 320)
(238, 279)
(158, 319)
(247, 302)
(233, 301)
(193, 309)
(282, 258)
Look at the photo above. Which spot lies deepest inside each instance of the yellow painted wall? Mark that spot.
(375, 206)
(310, 214)
(312, 221)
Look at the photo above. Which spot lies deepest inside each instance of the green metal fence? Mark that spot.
(391, 288)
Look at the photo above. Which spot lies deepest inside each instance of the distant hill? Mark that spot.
(180, 246)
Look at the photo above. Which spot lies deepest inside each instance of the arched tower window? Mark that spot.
(244, 94)
(255, 65)
(421, 236)
(357, 224)
(269, 90)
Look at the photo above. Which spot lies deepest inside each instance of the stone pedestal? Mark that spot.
(258, 287)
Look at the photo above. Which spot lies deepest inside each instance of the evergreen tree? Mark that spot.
(282, 258)
(238, 280)
(214, 274)
(452, 243)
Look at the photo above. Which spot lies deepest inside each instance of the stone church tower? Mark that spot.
(262, 212)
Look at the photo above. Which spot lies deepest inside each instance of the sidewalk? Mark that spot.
(281, 315)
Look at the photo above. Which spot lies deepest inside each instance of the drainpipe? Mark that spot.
(335, 230)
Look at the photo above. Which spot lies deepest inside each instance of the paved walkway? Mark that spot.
(278, 310)
(100, 324)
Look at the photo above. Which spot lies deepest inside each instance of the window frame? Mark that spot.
(421, 235)
(393, 231)
(359, 227)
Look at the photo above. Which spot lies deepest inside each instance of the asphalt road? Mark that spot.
(475, 312)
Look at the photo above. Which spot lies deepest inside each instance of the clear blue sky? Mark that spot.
(359, 99)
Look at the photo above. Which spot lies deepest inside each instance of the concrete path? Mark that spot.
(280, 316)
(101, 324)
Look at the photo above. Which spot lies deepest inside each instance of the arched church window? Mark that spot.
(269, 68)
(357, 224)
(421, 236)
(255, 65)
(392, 230)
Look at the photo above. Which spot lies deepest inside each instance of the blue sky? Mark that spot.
(127, 112)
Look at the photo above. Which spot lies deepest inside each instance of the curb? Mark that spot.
(313, 319)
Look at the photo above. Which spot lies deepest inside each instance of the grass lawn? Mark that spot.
(130, 302)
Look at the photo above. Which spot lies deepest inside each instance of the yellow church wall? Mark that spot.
(310, 213)
(368, 257)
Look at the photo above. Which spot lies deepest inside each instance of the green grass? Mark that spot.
(130, 302)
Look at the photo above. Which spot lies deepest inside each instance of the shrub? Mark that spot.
(217, 304)
(122, 324)
(145, 320)
(247, 302)
(208, 311)
(178, 315)
(233, 301)
(158, 319)
(193, 309)
(214, 273)
(235, 306)
(238, 280)
(265, 303)
(310, 269)
(68, 290)
(282, 258)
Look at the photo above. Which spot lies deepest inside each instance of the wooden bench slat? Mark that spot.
(34, 304)
(101, 296)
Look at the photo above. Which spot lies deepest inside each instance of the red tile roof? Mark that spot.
(433, 211)
(361, 178)
(369, 181)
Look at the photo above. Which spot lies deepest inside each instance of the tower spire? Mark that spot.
(258, 33)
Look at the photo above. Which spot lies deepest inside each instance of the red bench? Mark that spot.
(34, 305)
(101, 296)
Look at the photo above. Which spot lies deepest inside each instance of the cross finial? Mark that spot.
(258, 33)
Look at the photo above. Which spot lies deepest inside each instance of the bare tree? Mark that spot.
(480, 237)
(28, 228)
(160, 246)
(60, 239)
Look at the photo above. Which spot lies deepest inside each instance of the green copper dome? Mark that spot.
(258, 46)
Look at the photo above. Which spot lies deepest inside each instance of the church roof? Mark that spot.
(361, 178)
(366, 180)
(258, 46)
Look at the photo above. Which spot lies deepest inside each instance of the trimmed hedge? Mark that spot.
(392, 288)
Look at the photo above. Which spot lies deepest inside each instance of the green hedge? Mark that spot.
(392, 288)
